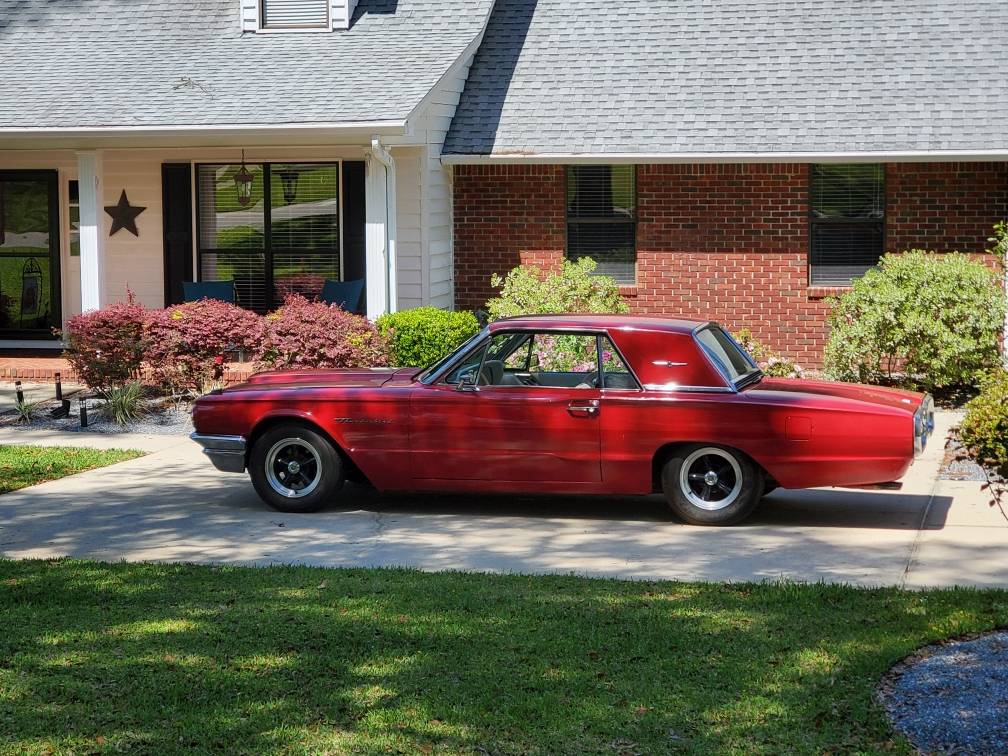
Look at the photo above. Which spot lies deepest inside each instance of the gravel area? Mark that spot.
(958, 465)
(160, 417)
(953, 698)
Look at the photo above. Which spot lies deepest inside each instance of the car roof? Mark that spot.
(607, 321)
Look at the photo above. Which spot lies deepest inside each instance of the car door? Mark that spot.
(524, 420)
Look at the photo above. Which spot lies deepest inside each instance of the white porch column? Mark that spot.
(92, 240)
(380, 245)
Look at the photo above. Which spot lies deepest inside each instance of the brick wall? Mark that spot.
(726, 242)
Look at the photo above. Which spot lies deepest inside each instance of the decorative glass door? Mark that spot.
(29, 254)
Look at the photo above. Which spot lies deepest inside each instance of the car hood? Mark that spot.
(889, 397)
(347, 378)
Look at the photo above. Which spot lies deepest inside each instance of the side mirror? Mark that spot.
(467, 382)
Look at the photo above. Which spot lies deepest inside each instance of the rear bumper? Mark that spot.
(226, 452)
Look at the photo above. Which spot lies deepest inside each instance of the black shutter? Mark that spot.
(354, 265)
(176, 200)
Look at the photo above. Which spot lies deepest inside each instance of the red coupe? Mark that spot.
(593, 404)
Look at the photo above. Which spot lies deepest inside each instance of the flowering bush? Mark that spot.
(771, 363)
(528, 290)
(106, 347)
(306, 334)
(423, 335)
(920, 318)
(187, 344)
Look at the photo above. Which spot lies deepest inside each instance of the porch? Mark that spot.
(79, 228)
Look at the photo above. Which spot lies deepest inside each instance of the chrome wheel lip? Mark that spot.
(694, 461)
(278, 485)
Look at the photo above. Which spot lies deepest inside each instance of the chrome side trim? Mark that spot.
(227, 453)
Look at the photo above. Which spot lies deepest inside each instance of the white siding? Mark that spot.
(438, 273)
(409, 222)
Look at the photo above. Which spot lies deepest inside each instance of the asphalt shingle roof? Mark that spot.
(100, 63)
(714, 76)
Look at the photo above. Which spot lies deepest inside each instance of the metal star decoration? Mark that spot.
(124, 215)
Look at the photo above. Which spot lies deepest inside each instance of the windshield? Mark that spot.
(427, 375)
(737, 366)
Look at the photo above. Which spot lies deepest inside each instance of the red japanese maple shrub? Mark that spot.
(106, 347)
(188, 344)
(307, 334)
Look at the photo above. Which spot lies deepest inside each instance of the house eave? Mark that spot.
(617, 158)
(200, 135)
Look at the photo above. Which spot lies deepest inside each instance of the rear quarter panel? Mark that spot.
(801, 443)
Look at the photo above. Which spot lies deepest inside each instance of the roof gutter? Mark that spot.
(209, 135)
(618, 158)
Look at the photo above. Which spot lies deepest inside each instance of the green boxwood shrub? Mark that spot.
(423, 335)
(923, 319)
(984, 430)
(530, 290)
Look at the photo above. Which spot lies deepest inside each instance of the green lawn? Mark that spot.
(175, 658)
(22, 466)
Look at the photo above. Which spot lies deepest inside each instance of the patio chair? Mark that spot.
(347, 294)
(223, 291)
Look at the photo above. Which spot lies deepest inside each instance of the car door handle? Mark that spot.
(584, 409)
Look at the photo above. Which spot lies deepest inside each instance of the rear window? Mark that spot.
(729, 356)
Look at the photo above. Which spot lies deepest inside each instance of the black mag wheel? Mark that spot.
(295, 469)
(711, 485)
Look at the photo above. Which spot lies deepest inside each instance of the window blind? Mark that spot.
(295, 13)
(847, 228)
(285, 240)
(602, 218)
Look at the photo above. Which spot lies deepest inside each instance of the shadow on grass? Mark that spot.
(171, 658)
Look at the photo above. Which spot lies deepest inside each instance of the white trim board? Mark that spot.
(617, 158)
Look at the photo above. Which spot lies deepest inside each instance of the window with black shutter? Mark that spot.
(847, 226)
(602, 218)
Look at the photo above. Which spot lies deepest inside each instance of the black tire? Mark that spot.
(769, 488)
(728, 496)
(300, 459)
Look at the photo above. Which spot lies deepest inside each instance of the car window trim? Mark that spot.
(601, 370)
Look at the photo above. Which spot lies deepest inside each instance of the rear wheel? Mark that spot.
(295, 469)
(711, 485)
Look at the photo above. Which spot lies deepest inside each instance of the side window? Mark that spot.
(615, 373)
(564, 359)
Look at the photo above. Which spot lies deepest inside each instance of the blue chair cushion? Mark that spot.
(223, 291)
(346, 294)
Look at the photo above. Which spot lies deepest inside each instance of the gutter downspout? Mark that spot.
(391, 287)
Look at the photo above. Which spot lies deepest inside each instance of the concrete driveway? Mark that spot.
(172, 505)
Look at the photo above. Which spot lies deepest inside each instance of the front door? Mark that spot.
(529, 415)
(29, 254)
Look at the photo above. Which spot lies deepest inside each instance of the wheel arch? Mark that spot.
(273, 421)
(667, 451)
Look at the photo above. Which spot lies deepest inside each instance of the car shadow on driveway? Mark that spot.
(811, 507)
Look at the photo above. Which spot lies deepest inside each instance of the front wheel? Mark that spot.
(295, 469)
(711, 485)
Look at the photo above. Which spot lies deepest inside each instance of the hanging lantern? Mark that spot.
(243, 183)
(289, 180)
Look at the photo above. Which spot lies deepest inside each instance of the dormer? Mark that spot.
(296, 15)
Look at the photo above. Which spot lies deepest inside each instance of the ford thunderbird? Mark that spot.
(590, 404)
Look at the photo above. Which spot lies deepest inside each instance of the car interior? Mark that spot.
(545, 359)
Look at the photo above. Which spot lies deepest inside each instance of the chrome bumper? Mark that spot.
(924, 424)
(226, 452)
